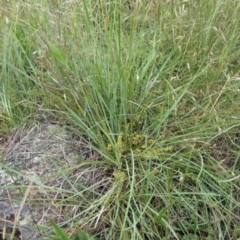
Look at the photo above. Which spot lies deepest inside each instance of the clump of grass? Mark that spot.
(154, 86)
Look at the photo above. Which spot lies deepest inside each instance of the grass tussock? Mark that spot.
(155, 86)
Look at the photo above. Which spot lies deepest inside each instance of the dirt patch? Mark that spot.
(40, 169)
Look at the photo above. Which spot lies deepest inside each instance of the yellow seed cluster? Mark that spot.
(109, 147)
(139, 144)
(167, 149)
(138, 151)
(153, 152)
(120, 144)
(119, 176)
(137, 139)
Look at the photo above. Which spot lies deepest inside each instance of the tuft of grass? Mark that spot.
(153, 88)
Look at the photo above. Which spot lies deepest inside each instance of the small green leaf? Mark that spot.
(148, 63)
(57, 53)
(82, 235)
(59, 232)
(161, 215)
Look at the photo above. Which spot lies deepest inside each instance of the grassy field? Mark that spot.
(155, 87)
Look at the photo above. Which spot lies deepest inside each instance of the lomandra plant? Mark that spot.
(113, 87)
(152, 88)
(113, 83)
(137, 75)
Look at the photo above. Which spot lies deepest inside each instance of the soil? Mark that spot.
(35, 170)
